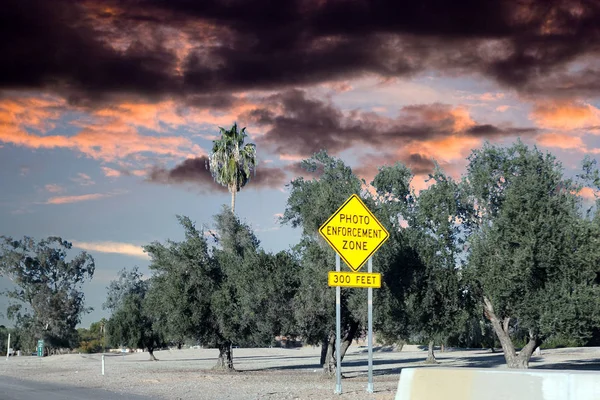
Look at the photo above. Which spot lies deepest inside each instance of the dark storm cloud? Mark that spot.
(191, 171)
(305, 126)
(52, 44)
(419, 164)
(194, 171)
(91, 48)
(299, 125)
(490, 131)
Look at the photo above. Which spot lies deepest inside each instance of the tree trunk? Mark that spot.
(520, 361)
(225, 361)
(430, 355)
(151, 352)
(324, 348)
(527, 351)
(232, 190)
(344, 346)
(331, 364)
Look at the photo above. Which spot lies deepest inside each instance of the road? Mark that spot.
(17, 389)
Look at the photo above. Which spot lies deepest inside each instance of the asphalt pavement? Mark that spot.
(18, 389)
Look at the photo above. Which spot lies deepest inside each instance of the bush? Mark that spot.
(560, 341)
(91, 346)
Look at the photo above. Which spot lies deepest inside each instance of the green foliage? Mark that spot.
(534, 256)
(423, 291)
(473, 332)
(132, 325)
(232, 293)
(185, 277)
(91, 346)
(310, 204)
(92, 340)
(435, 229)
(4, 331)
(231, 161)
(133, 322)
(561, 341)
(314, 302)
(129, 282)
(397, 260)
(48, 300)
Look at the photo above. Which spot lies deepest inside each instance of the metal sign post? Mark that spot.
(370, 329)
(355, 234)
(338, 334)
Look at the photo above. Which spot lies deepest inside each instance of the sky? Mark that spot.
(108, 109)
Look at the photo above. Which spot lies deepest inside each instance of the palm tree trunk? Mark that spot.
(232, 190)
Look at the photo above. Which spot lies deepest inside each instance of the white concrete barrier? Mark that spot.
(496, 384)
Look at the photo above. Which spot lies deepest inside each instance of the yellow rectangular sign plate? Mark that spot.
(354, 232)
(354, 279)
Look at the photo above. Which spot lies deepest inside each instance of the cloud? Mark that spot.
(484, 97)
(295, 121)
(270, 177)
(110, 172)
(419, 164)
(80, 198)
(112, 247)
(566, 142)
(123, 171)
(83, 179)
(588, 194)
(565, 115)
(560, 141)
(93, 50)
(194, 171)
(54, 188)
(109, 133)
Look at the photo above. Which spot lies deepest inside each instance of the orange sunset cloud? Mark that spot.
(54, 188)
(80, 198)
(560, 141)
(112, 247)
(107, 134)
(588, 194)
(565, 115)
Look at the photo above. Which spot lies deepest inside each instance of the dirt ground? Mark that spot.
(265, 373)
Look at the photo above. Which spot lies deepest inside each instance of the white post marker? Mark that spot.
(102, 364)
(8, 347)
(338, 328)
(370, 328)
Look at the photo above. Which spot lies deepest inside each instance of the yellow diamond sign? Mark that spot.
(354, 232)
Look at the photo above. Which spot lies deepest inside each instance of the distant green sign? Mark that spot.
(40, 348)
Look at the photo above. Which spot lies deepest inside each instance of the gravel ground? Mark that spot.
(269, 373)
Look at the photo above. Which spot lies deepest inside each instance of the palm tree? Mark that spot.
(231, 162)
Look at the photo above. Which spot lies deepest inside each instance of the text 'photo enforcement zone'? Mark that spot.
(355, 234)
